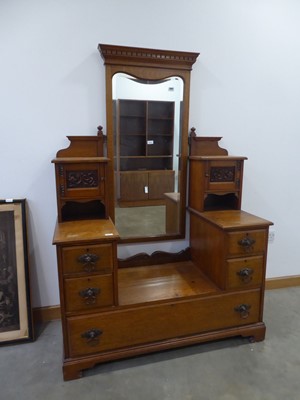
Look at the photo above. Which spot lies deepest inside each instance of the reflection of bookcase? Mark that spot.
(144, 151)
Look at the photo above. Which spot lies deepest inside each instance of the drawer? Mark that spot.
(94, 258)
(88, 293)
(243, 272)
(129, 327)
(246, 242)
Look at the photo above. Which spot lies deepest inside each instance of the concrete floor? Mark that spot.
(141, 221)
(231, 369)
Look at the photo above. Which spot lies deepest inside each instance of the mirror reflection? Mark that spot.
(147, 132)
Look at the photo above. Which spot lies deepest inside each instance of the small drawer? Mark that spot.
(246, 242)
(243, 272)
(88, 293)
(88, 259)
(111, 330)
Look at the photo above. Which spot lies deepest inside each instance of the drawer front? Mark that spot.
(123, 328)
(243, 272)
(87, 259)
(79, 181)
(223, 175)
(88, 293)
(246, 242)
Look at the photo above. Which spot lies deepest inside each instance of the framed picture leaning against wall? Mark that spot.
(15, 306)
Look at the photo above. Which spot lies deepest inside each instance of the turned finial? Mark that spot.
(193, 132)
(100, 130)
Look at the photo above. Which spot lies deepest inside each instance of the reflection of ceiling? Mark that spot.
(147, 82)
(129, 87)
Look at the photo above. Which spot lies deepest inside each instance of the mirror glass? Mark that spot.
(147, 127)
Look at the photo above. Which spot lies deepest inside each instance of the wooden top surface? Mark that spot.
(75, 232)
(174, 196)
(162, 282)
(217, 158)
(80, 160)
(233, 219)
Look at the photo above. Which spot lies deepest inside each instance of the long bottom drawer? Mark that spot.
(128, 327)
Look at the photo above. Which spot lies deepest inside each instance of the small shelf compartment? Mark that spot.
(132, 125)
(132, 145)
(76, 210)
(228, 201)
(132, 108)
(160, 110)
(160, 126)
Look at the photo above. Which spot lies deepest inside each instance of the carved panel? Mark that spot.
(82, 179)
(222, 174)
(158, 257)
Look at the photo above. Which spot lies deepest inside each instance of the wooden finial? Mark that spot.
(100, 130)
(193, 132)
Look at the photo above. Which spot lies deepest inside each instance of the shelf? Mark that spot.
(162, 282)
(133, 134)
(162, 118)
(160, 134)
(162, 156)
(145, 170)
(132, 116)
(144, 134)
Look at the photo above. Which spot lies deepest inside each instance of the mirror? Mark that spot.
(147, 103)
(147, 135)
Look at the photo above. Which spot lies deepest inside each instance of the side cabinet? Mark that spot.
(217, 182)
(230, 247)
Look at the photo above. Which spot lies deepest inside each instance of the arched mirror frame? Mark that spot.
(148, 64)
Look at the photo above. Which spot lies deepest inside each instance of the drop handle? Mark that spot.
(247, 242)
(89, 295)
(243, 310)
(92, 336)
(88, 260)
(245, 274)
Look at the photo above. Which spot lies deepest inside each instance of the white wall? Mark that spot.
(245, 87)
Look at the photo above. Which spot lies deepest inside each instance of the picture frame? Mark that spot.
(16, 323)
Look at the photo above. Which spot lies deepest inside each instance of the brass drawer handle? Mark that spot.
(243, 310)
(88, 260)
(247, 243)
(90, 295)
(245, 274)
(92, 336)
